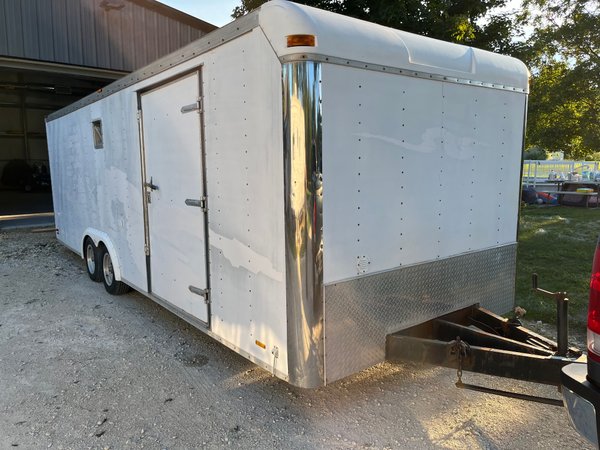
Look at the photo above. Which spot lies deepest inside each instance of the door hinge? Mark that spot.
(196, 106)
(139, 114)
(202, 292)
(146, 250)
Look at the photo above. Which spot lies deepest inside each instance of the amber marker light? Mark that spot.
(301, 40)
(260, 344)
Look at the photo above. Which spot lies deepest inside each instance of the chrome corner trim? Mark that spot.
(196, 48)
(303, 193)
(395, 70)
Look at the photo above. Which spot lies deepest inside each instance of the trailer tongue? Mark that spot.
(477, 340)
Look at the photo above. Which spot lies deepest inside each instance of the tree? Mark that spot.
(450, 20)
(564, 57)
(246, 7)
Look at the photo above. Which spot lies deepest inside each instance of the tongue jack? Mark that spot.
(562, 315)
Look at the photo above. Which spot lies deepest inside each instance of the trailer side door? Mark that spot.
(175, 194)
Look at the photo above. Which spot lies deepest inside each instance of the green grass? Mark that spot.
(558, 244)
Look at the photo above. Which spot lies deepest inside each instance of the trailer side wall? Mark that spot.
(244, 141)
(102, 189)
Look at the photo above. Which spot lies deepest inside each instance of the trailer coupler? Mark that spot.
(477, 340)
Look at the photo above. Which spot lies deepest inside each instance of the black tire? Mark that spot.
(91, 257)
(112, 286)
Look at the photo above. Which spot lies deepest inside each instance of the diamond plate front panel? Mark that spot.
(360, 313)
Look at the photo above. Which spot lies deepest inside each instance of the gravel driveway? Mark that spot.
(82, 369)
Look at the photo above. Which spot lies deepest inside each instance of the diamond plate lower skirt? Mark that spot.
(359, 313)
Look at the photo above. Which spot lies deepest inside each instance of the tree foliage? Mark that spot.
(565, 86)
(450, 20)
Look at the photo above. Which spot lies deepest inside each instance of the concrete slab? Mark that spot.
(16, 221)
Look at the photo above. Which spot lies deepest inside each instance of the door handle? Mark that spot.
(151, 185)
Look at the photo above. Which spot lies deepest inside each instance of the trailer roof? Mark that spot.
(356, 40)
(342, 40)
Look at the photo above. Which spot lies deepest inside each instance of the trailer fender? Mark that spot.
(100, 237)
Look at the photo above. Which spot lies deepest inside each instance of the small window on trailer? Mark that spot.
(97, 133)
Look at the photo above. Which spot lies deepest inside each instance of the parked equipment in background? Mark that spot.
(21, 175)
(547, 198)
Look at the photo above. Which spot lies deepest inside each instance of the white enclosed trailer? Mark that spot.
(300, 184)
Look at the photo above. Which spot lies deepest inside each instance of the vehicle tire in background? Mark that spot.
(91, 255)
(112, 286)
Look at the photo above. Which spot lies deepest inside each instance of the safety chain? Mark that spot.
(461, 349)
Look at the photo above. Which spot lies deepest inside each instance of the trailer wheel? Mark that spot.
(91, 254)
(112, 286)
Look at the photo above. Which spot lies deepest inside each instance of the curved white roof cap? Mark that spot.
(345, 37)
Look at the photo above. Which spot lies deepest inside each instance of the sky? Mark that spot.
(217, 12)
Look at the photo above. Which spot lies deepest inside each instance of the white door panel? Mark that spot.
(173, 154)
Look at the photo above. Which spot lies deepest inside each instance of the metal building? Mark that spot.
(55, 52)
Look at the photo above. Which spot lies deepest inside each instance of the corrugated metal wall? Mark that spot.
(111, 34)
(118, 35)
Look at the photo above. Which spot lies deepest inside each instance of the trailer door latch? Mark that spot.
(197, 106)
(200, 203)
(202, 292)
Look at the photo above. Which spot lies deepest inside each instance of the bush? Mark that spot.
(535, 153)
(593, 157)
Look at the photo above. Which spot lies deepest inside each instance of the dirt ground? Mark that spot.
(82, 369)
